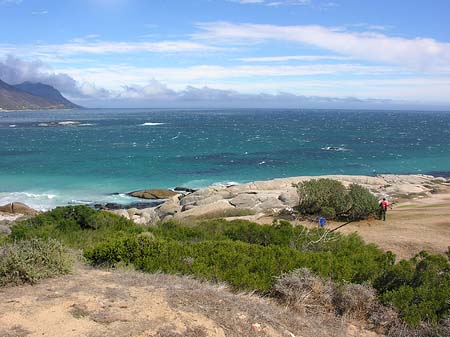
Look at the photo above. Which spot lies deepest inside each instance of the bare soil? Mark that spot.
(411, 226)
(96, 303)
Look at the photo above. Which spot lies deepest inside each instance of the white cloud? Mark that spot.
(294, 58)
(107, 76)
(423, 54)
(250, 85)
(14, 70)
(274, 3)
(41, 12)
(86, 45)
(12, 2)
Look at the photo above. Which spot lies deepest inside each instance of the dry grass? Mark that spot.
(115, 304)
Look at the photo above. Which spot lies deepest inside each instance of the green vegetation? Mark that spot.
(31, 260)
(419, 288)
(364, 203)
(251, 257)
(330, 198)
(76, 226)
(318, 195)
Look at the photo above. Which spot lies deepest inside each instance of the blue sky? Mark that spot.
(312, 53)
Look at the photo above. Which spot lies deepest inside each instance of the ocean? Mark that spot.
(114, 151)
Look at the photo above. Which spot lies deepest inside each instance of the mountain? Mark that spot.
(32, 96)
(47, 92)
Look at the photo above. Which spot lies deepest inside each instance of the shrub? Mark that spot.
(31, 260)
(355, 300)
(317, 194)
(364, 203)
(303, 290)
(243, 265)
(329, 198)
(419, 289)
(75, 226)
(328, 213)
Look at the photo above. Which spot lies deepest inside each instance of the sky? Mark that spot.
(232, 53)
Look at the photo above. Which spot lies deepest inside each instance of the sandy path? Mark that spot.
(411, 226)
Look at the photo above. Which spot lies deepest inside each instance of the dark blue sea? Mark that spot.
(119, 150)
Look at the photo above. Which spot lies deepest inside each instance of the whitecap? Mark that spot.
(178, 135)
(151, 124)
(334, 148)
(12, 125)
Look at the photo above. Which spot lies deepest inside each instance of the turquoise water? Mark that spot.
(119, 150)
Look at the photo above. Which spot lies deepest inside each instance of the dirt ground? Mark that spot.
(411, 226)
(95, 303)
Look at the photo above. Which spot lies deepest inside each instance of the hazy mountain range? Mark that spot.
(32, 96)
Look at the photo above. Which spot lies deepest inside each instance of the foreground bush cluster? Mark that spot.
(251, 257)
(31, 260)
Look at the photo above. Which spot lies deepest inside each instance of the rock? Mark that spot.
(203, 194)
(209, 200)
(139, 205)
(245, 200)
(184, 189)
(18, 208)
(5, 227)
(289, 197)
(170, 207)
(271, 204)
(132, 211)
(215, 208)
(167, 218)
(153, 194)
(187, 207)
(150, 216)
(121, 212)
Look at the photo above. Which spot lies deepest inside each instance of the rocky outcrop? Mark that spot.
(153, 194)
(169, 209)
(18, 208)
(280, 195)
(145, 217)
(217, 209)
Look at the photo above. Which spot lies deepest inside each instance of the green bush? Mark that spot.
(363, 203)
(243, 265)
(329, 198)
(75, 226)
(317, 194)
(31, 260)
(419, 288)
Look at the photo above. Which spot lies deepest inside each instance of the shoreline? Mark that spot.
(122, 199)
(419, 219)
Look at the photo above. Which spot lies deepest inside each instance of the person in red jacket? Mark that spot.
(383, 208)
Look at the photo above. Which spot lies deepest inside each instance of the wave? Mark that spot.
(45, 201)
(151, 124)
(334, 148)
(40, 201)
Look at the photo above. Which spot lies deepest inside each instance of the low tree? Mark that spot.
(329, 198)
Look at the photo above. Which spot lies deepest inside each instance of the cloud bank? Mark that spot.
(423, 54)
(154, 93)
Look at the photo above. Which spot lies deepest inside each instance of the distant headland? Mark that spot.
(32, 96)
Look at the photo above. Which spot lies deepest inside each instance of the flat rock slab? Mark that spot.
(153, 194)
